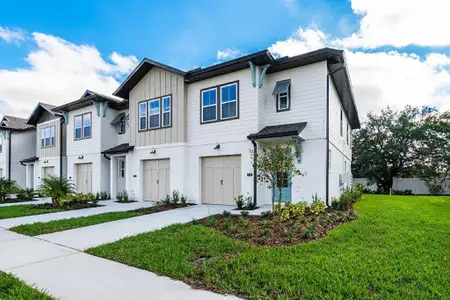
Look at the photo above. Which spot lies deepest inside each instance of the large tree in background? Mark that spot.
(387, 146)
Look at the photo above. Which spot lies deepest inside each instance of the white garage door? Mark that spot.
(48, 171)
(221, 179)
(84, 178)
(156, 179)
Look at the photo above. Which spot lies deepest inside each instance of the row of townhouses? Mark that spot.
(165, 129)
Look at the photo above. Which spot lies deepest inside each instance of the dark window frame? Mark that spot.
(82, 127)
(160, 113)
(219, 103)
(123, 122)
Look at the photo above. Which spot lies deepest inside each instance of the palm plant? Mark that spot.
(56, 188)
(7, 186)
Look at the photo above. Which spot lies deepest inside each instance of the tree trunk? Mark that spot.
(280, 192)
(55, 202)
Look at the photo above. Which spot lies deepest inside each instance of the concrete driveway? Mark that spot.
(55, 263)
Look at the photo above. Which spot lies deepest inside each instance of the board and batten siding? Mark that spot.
(157, 83)
(46, 152)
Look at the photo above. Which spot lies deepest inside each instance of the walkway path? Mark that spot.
(87, 237)
(69, 274)
(108, 206)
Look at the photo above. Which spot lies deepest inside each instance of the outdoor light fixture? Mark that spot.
(80, 157)
(46, 161)
(217, 147)
(153, 151)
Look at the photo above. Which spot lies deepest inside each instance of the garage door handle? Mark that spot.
(221, 182)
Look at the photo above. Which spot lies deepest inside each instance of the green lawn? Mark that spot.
(12, 288)
(398, 248)
(14, 211)
(66, 224)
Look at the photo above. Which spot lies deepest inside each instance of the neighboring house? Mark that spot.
(17, 142)
(49, 156)
(194, 131)
(95, 123)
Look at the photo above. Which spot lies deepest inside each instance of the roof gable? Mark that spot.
(41, 113)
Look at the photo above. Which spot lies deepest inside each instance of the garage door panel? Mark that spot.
(237, 182)
(156, 179)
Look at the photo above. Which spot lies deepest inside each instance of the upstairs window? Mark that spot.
(122, 126)
(228, 99)
(83, 126)
(167, 110)
(142, 115)
(154, 114)
(282, 95)
(48, 137)
(209, 105)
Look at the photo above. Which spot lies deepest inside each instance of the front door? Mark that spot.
(283, 181)
(84, 178)
(120, 175)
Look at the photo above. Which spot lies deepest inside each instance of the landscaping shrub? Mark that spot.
(401, 192)
(122, 197)
(7, 187)
(345, 201)
(78, 200)
(176, 199)
(239, 202)
(318, 206)
(56, 188)
(25, 194)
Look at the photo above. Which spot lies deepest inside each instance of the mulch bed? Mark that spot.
(73, 207)
(271, 231)
(160, 208)
(131, 201)
(17, 200)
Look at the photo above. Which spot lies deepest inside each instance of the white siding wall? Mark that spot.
(4, 156)
(85, 146)
(23, 146)
(47, 162)
(341, 154)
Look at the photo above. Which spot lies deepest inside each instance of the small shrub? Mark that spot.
(317, 206)
(97, 196)
(194, 221)
(227, 222)
(245, 213)
(122, 196)
(311, 230)
(183, 200)
(249, 204)
(25, 194)
(166, 200)
(239, 202)
(104, 196)
(266, 214)
(175, 197)
(211, 220)
(226, 213)
(119, 196)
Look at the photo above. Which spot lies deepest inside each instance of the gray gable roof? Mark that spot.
(37, 112)
(15, 123)
(284, 130)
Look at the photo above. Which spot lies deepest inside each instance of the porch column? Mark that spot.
(112, 177)
(27, 176)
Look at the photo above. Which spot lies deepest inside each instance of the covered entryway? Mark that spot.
(156, 179)
(48, 171)
(84, 178)
(221, 179)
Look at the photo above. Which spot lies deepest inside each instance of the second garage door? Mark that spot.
(221, 179)
(156, 179)
(84, 178)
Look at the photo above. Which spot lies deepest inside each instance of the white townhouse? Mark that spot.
(193, 131)
(49, 155)
(17, 142)
(95, 123)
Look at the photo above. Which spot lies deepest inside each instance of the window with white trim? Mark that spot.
(166, 111)
(209, 105)
(154, 113)
(282, 95)
(228, 100)
(48, 137)
(83, 128)
(142, 115)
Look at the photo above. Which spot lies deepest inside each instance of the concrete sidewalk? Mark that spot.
(108, 206)
(87, 237)
(72, 275)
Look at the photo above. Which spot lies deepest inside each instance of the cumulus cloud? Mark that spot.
(400, 23)
(59, 71)
(11, 36)
(228, 53)
(381, 78)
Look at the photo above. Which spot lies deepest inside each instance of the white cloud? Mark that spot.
(58, 72)
(11, 36)
(381, 78)
(228, 53)
(291, 5)
(400, 23)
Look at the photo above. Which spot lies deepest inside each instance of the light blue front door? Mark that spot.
(286, 191)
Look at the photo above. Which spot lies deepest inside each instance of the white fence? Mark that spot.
(416, 185)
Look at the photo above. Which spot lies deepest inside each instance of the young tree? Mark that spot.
(7, 187)
(56, 188)
(387, 146)
(272, 164)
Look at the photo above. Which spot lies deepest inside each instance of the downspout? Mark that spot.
(108, 158)
(9, 155)
(255, 179)
(61, 148)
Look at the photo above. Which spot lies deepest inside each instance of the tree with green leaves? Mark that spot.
(56, 188)
(273, 163)
(7, 186)
(387, 146)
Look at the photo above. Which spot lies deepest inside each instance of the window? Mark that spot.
(228, 99)
(154, 113)
(122, 126)
(122, 168)
(348, 130)
(166, 117)
(209, 105)
(48, 137)
(342, 124)
(282, 95)
(142, 115)
(83, 128)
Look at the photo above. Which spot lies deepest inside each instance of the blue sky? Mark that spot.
(398, 52)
